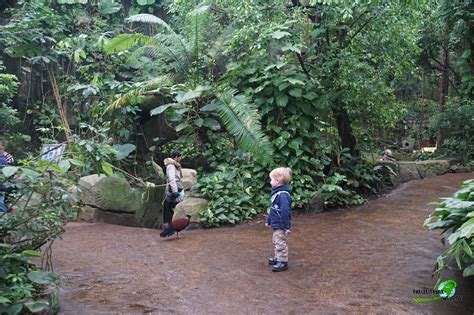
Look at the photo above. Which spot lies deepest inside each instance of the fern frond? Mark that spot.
(242, 120)
(149, 19)
(126, 41)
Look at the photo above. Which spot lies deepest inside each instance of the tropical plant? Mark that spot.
(238, 115)
(41, 206)
(455, 217)
(231, 197)
(8, 87)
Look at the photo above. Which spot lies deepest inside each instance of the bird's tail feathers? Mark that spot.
(167, 232)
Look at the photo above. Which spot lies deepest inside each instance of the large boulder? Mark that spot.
(149, 212)
(108, 193)
(408, 171)
(113, 200)
(460, 169)
(189, 178)
(432, 168)
(191, 206)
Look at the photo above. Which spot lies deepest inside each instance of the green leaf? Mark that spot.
(123, 150)
(145, 2)
(41, 277)
(467, 248)
(76, 162)
(469, 271)
(294, 81)
(107, 168)
(282, 100)
(65, 165)
(242, 120)
(4, 300)
(160, 109)
(467, 229)
(198, 122)
(310, 96)
(211, 124)
(182, 97)
(30, 253)
(181, 126)
(280, 34)
(295, 92)
(9, 170)
(37, 306)
(55, 168)
(212, 106)
(107, 7)
(30, 173)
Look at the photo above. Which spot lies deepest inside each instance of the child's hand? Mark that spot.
(287, 232)
(267, 225)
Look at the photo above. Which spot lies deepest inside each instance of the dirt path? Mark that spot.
(366, 259)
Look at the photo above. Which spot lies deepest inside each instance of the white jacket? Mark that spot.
(173, 175)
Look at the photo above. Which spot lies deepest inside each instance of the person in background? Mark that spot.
(387, 156)
(175, 191)
(8, 157)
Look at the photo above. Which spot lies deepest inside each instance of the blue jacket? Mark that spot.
(280, 208)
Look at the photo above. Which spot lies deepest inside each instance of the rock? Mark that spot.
(109, 193)
(113, 200)
(189, 178)
(150, 211)
(408, 171)
(460, 169)
(432, 168)
(453, 160)
(86, 213)
(126, 219)
(191, 206)
(316, 204)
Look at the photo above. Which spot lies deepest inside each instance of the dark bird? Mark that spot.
(176, 226)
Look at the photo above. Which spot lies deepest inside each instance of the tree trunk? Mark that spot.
(443, 89)
(344, 129)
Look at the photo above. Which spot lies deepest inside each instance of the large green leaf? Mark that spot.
(123, 150)
(126, 41)
(42, 277)
(469, 271)
(37, 306)
(242, 120)
(107, 7)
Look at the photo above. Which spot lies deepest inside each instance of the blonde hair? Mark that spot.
(282, 174)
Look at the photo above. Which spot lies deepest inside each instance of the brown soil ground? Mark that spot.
(366, 259)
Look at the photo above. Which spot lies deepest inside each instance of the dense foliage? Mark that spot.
(455, 217)
(41, 205)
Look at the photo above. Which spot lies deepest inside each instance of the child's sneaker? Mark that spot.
(280, 266)
(272, 261)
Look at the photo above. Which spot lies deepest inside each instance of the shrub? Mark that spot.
(455, 217)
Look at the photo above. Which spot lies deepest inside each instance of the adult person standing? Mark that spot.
(175, 191)
(8, 157)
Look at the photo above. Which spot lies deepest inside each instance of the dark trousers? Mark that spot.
(168, 211)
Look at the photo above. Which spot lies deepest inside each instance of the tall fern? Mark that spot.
(242, 120)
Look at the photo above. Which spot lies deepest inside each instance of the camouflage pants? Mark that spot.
(281, 248)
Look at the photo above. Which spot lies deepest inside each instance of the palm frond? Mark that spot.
(126, 41)
(242, 121)
(149, 19)
(153, 87)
